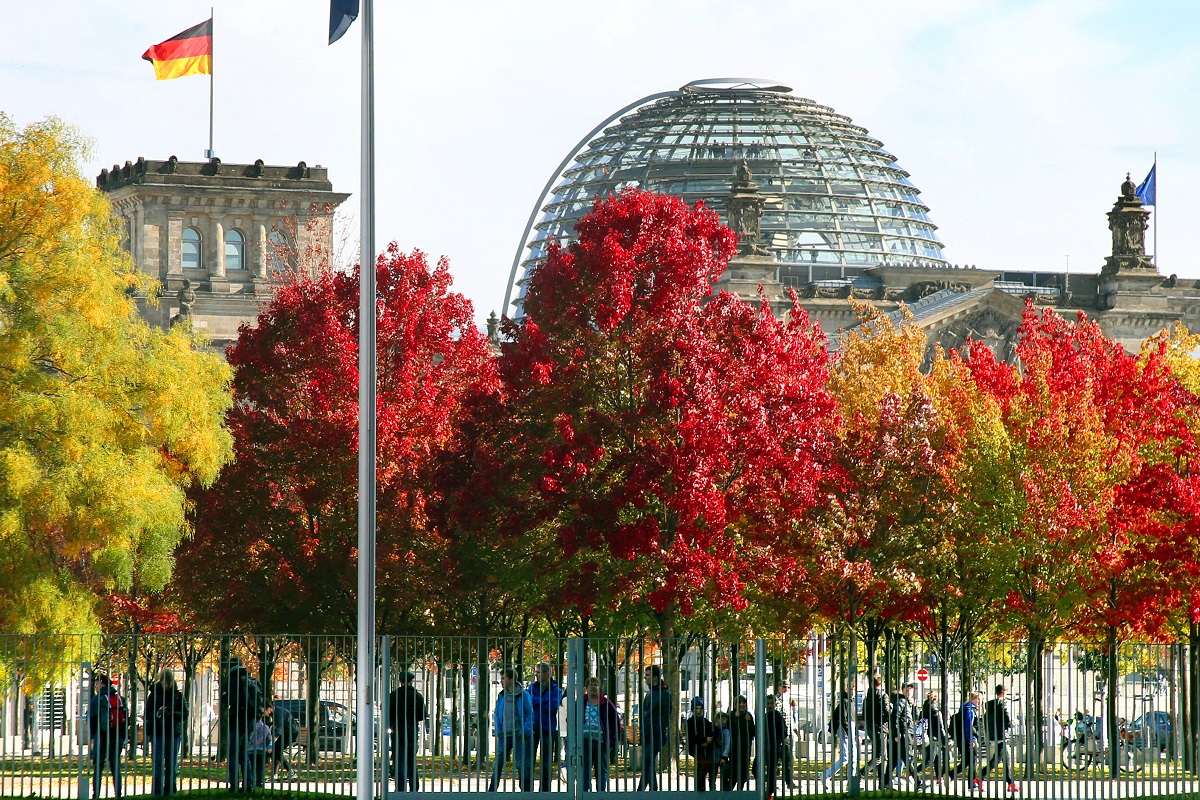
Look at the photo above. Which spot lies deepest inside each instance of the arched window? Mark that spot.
(235, 249)
(278, 251)
(191, 248)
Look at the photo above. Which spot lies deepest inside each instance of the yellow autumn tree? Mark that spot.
(103, 419)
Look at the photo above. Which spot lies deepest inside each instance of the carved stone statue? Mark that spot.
(187, 298)
(493, 328)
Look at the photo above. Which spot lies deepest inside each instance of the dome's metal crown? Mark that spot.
(836, 201)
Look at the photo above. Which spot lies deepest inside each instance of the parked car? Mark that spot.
(1155, 726)
(335, 723)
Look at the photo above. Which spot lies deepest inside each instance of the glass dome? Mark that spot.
(836, 203)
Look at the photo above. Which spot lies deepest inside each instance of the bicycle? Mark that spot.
(1081, 746)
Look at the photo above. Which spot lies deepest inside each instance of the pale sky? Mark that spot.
(1016, 120)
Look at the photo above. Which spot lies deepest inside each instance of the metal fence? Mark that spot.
(1081, 721)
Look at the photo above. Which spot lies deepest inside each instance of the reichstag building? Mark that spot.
(819, 205)
(825, 209)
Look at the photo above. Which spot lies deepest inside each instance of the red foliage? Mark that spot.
(667, 442)
(275, 545)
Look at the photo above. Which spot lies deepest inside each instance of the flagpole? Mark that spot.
(365, 677)
(1155, 168)
(210, 153)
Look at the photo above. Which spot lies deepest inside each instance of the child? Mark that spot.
(722, 723)
(258, 749)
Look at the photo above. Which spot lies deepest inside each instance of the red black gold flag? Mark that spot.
(187, 53)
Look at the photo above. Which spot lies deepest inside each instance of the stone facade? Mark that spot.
(1129, 298)
(216, 236)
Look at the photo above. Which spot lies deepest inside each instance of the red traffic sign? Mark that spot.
(922, 674)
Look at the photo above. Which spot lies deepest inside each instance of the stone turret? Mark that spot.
(213, 234)
(753, 265)
(1128, 221)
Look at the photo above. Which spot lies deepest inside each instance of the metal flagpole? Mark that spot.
(365, 674)
(1155, 169)
(212, 66)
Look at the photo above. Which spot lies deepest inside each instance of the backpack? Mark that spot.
(114, 720)
(956, 725)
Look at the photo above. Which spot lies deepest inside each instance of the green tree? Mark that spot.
(103, 420)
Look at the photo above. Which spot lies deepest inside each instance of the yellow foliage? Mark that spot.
(875, 359)
(103, 420)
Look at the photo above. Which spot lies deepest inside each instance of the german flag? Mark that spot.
(187, 53)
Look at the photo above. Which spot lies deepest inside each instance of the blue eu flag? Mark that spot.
(341, 14)
(1146, 190)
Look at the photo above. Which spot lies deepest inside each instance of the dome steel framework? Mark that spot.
(836, 203)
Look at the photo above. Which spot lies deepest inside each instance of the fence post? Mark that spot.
(760, 705)
(81, 726)
(575, 656)
(385, 693)
(852, 743)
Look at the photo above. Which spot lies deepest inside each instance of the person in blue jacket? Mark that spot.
(512, 724)
(963, 729)
(546, 696)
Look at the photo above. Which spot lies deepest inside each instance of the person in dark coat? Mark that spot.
(107, 734)
(877, 712)
(242, 707)
(996, 724)
(406, 710)
(903, 720)
(164, 714)
(741, 741)
(286, 728)
(654, 719)
(774, 736)
(841, 722)
(702, 747)
(937, 737)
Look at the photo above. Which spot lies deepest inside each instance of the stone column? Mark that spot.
(174, 244)
(260, 250)
(217, 254)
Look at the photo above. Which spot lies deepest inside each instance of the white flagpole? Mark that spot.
(365, 674)
(1155, 169)
(212, 67)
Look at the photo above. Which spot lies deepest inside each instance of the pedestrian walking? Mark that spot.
(840, 725)
(286, 728)
(966, 738)
(877, 712)
(902, 722)
(996, 724)
(937, 738)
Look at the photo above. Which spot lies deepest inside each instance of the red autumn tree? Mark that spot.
(1081, 417)
(276, 537)
(655, 448)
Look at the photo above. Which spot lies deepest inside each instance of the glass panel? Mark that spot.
(235, 250)
(191, 248)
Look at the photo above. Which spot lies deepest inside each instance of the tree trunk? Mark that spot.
(1193, 728)
(312, 703)
(222, 701)
(1110, 702)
